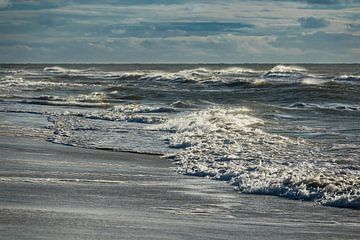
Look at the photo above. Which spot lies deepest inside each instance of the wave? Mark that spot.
(328, 106)
(193, 75)
(286, 69)
(282, 71)
(91, 100)
(63, 70)
(117, 131)
(16, 83)
(180, 104)
(92, 73)
(229, 145)
(315, 81)
(70, 104)
(111, 116)
(137, 108)
(201, 75)
(231, 76)
(59, 180)
(351, 78)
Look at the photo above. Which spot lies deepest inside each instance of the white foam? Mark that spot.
(200, 75)
(62, 70)
(349, 77)
(327, 106)
(139, 108)
(59, 180)
(180, 104)
(117, 116)
(287, 69)
(94, 99)
(16, 83)
(289, 72)
(314, 81)
(228, 144)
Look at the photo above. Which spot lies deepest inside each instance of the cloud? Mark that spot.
(4, 3)
(326, 42)
(323, 2)
(179, 30)
(330, 1)
(312, 22)
(167, 29)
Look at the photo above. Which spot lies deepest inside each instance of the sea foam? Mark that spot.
(230, 145)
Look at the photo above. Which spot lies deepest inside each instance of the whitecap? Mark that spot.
(229, 144)
(282, 71)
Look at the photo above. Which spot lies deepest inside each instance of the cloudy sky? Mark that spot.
(229, 31)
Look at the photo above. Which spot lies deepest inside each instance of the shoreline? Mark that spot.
(60, 192)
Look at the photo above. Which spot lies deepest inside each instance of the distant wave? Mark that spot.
(202, 75)
(282, 71)
(91, 100)
(196, 74)
(136, 108)
(63, 70)
(17, 83)
(328, 106)
(353, 78)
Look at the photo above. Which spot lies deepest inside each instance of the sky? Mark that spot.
(175, 31)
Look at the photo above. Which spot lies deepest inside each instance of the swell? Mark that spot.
(326, 107)
(228, 77)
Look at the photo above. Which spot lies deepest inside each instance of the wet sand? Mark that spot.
(50, 191)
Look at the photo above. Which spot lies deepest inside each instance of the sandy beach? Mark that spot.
(50, 191)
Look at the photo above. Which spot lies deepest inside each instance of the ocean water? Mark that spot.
(285, 130)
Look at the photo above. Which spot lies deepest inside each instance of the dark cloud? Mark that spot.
(174, 29)
(312, 22)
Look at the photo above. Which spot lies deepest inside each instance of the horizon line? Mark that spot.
(175, 63)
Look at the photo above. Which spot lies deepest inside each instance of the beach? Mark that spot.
(50, 191)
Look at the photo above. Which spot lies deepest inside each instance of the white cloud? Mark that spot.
(4, 3)
(174, 30)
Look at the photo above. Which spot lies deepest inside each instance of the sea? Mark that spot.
(288, 130)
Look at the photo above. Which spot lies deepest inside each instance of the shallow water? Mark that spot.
(291, 131)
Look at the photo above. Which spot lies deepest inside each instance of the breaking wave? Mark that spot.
(62, 70)
(195, 75)
(228, 144)
(289, 72)
(137, 108)
(16, 83)
(201, 75)
(352, 78)
(328, 106)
